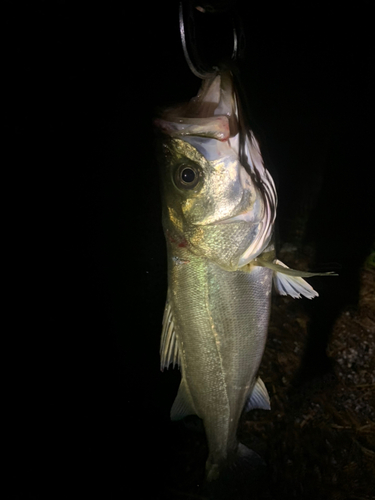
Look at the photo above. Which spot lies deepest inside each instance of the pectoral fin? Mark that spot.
(290, 281)
(169, 352)
(259, 397)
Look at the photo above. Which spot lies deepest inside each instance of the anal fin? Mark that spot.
(183, 404)
(259, 398)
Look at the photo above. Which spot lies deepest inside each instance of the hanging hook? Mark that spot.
(188, 38)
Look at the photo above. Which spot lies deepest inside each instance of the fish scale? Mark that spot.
(216, 316)
(219, 370)
(219, 208)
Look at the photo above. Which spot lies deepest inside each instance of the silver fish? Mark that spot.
(219, 209)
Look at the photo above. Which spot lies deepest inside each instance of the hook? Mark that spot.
(187, 33)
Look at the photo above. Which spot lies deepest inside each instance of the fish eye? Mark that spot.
(187, 176)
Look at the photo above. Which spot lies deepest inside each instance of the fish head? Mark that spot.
(212, 204)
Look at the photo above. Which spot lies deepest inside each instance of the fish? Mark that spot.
(219, 206)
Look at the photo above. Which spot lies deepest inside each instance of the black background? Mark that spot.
(88, 406)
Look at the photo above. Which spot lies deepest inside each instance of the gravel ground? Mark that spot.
(320, 438)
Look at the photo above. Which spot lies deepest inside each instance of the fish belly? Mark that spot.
(221, 320)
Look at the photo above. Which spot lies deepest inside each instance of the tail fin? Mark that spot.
(242, 475)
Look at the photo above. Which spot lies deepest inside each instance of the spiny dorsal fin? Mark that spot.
(169, 352)
(259, 397)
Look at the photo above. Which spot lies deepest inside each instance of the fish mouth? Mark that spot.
(216, 127)
(247, 210)
(211, 114)
(248, 217)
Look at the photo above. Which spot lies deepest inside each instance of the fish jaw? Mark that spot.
(216, 127)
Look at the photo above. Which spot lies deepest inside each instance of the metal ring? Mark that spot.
(196, 67)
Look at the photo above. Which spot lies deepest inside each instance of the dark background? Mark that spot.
(88, 407)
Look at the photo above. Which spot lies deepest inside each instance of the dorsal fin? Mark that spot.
(169, 351)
